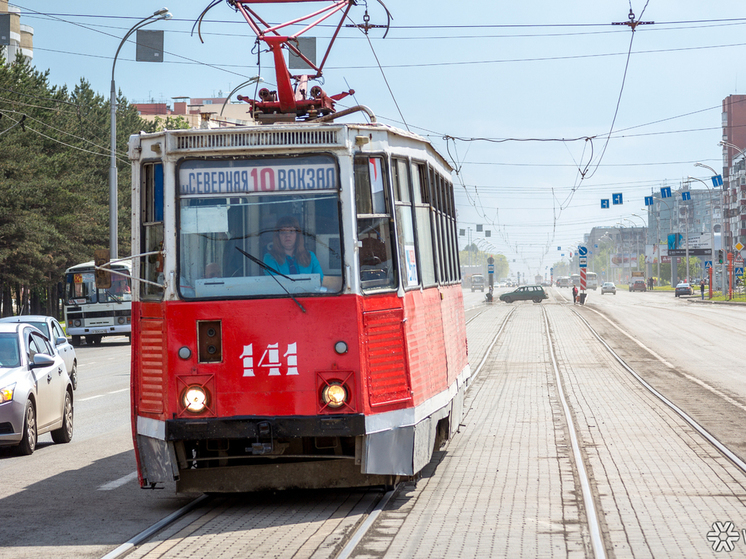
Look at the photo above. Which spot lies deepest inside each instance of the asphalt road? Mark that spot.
(82, 499)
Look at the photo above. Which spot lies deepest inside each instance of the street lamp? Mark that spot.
(163, 13)
(712, 226)
(637, 237)
(622, 227)
(722, 225)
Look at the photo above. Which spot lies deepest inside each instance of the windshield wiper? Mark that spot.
(272, 275)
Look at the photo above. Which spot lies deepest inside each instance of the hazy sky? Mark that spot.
(540, 82)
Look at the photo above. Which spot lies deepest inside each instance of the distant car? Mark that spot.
(54, 333)
(638, 285)
(36, 393)
(608, 287)
(533, 293)
(683, 288)
(477, 282)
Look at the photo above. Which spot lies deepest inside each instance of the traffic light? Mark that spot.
(720, 257)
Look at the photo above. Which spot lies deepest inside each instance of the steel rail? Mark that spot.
(594, 526)
(740, 464)
(128, 546)
(367, 524)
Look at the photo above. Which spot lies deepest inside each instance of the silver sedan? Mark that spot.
(56, 335)
(36, 393)
(608, 287)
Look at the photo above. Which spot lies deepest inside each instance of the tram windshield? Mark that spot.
(259, 227)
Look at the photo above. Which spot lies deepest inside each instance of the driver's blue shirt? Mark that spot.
(290, 266)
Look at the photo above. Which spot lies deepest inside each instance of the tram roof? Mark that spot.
(290, 135)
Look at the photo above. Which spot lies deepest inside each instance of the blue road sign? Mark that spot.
(648, 200)
(717, 180)
(665, 192)
(686, 195)
(738, 271)
(708, 264)
(605, 204)
(583, 251)
(617, 199)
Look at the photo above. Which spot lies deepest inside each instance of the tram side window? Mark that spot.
(151, 231)
(405, 223)
(422, 224)
(453, 233)
(375, 247)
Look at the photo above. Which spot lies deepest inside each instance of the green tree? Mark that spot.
(54, 169)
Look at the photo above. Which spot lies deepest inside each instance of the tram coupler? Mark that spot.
(264, 432)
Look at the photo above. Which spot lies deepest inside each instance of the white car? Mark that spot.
(57, 338)
(608, 287)
(36, 394)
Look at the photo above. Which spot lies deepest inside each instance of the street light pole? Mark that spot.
(712, 226)
(113, 197)
(722, 227)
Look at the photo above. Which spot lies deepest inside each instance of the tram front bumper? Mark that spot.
(251, 427)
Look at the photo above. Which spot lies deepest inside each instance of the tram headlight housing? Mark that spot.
(77, 323)
(334, 395)
(121, 320)
(195, 398)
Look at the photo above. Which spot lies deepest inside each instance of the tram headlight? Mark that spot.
(334, 395)
(195, 399)
(120, 320)
(77, 323)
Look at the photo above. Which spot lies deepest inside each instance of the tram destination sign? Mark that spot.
(225, 177)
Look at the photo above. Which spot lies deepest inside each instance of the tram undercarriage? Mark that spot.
(265, 460)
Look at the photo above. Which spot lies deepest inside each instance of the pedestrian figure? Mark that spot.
(702, 288)
(574, 294)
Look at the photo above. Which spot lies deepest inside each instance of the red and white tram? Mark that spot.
(343, 365)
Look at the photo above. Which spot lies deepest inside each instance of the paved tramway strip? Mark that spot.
(594, 527)
(505, 486)
(298, 524)
(659, 486)
(175, 540)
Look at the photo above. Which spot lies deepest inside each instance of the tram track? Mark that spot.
(351, 539)
(590, 493)
(722, 448)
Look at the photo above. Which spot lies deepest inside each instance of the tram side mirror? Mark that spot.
(103, 277)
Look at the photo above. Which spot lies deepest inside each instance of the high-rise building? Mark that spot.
(14, 36)
(734, 176)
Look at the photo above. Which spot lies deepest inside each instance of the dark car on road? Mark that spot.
(638, 285)
(683, 288)
(477, 282)
(533, 293)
